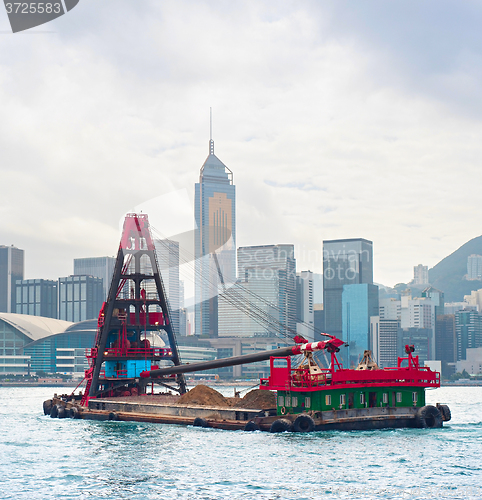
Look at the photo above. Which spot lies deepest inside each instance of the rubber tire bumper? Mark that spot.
(47, 407)
(54, 411)
(445, 411)
(280, 425)
(429, 417)
(61, 411)
(74, 412)
(251, 426)
(200, 422)
(304, 423)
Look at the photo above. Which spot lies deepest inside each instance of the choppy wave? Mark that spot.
(74, 459)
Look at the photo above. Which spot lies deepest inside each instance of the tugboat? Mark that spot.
(125, 365)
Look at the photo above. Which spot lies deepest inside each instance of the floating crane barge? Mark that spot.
(124, 368)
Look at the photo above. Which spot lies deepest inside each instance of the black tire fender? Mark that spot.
(74, 412)
(280, 425)
(251, 426)
(445, 411)
(113, 416)
(54, 411)
(429, 417)
(47, 406)
(304, 423)
(62, 413)
(200, 422)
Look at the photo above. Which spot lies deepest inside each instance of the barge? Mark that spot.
(135, 353)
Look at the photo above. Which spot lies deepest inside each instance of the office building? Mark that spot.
(359, 303)
(384, 340)
(80, 298)
(99, 267)
(468, 330)
(446, 342)
(11, 270)
(345, 262)
(215, 215)
(37, 298)
(305, 319)
(421, 339)
(168, 259)
(266, 289)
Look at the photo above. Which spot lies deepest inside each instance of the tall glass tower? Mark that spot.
(215, 242)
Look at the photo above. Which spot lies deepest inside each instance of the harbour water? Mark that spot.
(49, 458)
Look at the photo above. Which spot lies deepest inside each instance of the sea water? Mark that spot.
(41, 457)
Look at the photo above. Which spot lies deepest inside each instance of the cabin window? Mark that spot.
(414, 397)
(307, 402)
(328, 399)
(280, 363)
(294, 400)
(281, 401)
(288, 400)
(342, 399)
(362, 398)
(385, 397)
(399, 397)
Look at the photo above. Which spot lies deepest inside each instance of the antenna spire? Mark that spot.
(211, 142)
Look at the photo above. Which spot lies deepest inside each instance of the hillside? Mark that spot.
(448, 274)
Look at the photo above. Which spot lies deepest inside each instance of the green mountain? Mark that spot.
(448, 274)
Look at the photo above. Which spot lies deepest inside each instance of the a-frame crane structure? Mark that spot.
(136, 310)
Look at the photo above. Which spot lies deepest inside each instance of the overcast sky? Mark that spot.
(339, 119)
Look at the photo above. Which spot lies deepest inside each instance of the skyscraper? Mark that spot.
(168, 258)
(304, 305)
(99, 267)
(359, 303)
(11, 270)
(266, 286)
(37, 298)
(80, 298)
(345, 262)
(215, 217)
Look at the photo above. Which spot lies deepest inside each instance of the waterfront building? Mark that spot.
(384, 340)
(215, 215)
(80, 297)
(305, 317)
(345, 262)
(99, 267)
(168, 260)
(319, 321)
(468, 329)
(420, 338)
(359, 303)
(37, 297)
(446, 342)
(22, 343)
(473, 362)
(474, 267)
(420, 275)
(11, 270)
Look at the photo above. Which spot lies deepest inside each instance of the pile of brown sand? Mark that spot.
(257, 399)
(203, 396)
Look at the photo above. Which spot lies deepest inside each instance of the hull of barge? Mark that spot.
(140, 409)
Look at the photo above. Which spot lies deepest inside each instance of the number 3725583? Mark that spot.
(33, 8)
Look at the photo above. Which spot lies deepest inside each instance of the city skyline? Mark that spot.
(335, 125)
